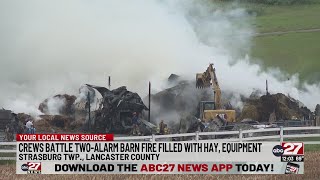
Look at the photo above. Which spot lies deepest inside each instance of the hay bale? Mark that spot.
(283, 106)
(66, 109)
(57, 121)
(24, 117)
(42, 125)
(250, 111)
(77, 124)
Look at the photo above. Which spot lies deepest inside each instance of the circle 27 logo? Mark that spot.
(31, 166)
(287, 149)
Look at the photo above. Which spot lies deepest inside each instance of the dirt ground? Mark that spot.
(312, 164)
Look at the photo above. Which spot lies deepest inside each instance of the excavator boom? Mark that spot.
(208, 78)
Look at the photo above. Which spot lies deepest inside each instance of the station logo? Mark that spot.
(277, 150)
(32, 167)
(288, 149)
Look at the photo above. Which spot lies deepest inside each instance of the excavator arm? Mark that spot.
(208, 78)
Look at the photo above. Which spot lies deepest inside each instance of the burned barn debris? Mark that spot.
(317, 110)
(10, 124)
(178, 104)
(6, 117)
(112, 113)
(173, 78)
(181, 108)
(116, 110)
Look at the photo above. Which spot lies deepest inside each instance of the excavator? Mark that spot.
(210, 110)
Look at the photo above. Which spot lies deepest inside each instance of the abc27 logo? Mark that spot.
(289, 152)
(32, 167)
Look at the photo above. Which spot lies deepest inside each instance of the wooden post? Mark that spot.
(240, 135)
(197, 135)
(109, 83)
(267, 89)
(89, 111)
(149, 112)
(153, 138)
(281, 133)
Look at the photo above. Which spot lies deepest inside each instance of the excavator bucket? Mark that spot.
(202, 81)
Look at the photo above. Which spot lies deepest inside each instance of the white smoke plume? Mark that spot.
(83, 94)
(51, 47)
(55, 105)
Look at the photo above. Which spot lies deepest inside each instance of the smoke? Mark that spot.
(83, 94)
(55, 105)
(51, 47)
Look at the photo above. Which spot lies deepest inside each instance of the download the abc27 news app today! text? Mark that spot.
(193, 89)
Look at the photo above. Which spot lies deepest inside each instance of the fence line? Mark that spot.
(242, 135)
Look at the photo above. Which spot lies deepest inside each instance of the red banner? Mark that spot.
(64, 137)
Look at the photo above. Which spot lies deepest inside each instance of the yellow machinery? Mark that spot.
(211, 109)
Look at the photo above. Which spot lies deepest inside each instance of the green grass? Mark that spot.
(7, 162)
(311, 147)
(285, 18)
(293, 52)
(303, 139)
(7, 154)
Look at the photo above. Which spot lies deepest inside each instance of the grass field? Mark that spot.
(311, 147)
(292, 52)
(270, 18)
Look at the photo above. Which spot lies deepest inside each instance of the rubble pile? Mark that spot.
(182, 98)
(178, 106)
(112, 113)
(284, 108)
(24, 117)
(317, 110)
(5, 118)
(116, 108)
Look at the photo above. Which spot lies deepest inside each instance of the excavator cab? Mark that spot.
(205, 105)
(208, 112)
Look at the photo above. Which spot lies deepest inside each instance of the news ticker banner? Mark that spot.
(99, 154)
